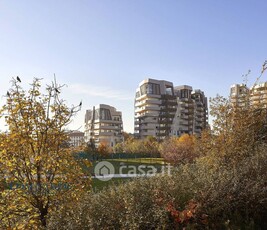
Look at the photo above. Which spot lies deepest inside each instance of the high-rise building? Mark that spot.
(192, 111)
(162, 110)
(155, 106)
(258, 94)
(103, 123)
(241, 95)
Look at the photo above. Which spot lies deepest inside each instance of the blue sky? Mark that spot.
(103, 49)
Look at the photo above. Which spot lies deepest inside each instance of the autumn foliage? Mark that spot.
(39, 171)
(179, 150)
(218, 181)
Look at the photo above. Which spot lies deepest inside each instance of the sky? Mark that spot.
(103, 49)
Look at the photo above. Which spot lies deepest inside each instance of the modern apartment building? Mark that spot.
(192, 111)
(162, 110)
(103, 123)
(155, 107)
(258, 94)
(76, 138)
(241, 95)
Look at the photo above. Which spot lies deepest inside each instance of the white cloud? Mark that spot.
(99, 91)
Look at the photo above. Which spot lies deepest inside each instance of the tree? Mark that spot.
(126, 135)
(118, 148)
(179, 150)
(237, 131)
(132, 145)
(90, 149)
(239, 127)
(39, 171)
(150, 146)
(103, 149)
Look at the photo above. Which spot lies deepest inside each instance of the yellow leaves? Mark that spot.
(32, 157)
(187, 139)
(32, 221)
(103, 149)
(9, 164)
(29, 210)
(87, 163)
(30, 224)
(38, 158)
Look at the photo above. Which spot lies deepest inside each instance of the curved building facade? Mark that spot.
(162, 110)
(104, 124)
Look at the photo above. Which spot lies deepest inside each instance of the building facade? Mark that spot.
(241, 95)
(103, 124)
(162, 110)
(258, 94)
(76, 138)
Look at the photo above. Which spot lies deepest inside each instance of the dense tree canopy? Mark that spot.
(38, 170)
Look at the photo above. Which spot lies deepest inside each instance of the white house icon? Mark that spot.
(104, 170)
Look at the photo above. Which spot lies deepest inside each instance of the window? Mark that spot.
(169, 91)
(185, 93)
(105, 114)
(155, 88)
(150, 88)
(233, 90)
(143, 89)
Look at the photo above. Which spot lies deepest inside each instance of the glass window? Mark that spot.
(150, 88)
(105, 114)
(169, 91)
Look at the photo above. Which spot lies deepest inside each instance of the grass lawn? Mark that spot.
(127, 166)
(140, 160)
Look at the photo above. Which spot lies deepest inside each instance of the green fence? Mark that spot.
(94, 156)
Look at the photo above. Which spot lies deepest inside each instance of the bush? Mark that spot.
(179, 150)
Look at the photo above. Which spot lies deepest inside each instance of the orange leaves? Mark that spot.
(179, 150)
(103, 149)
(187, 139)
(184, 216)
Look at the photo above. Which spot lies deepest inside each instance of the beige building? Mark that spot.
(103, 124)
(162, 110)
(76, 138)
(155, 107)
(258, 94)
(241, 95)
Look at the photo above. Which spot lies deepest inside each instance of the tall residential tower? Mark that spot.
(103, 123)
(162, 110)
(241, 95)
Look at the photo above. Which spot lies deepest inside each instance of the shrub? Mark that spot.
(179, 150)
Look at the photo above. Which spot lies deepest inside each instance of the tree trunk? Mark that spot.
(43, 216)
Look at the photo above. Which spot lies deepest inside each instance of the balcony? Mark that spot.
(147, 96)
(107, 121)
(183, 123)
(147, 133)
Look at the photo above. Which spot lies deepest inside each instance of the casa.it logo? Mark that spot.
(104, 171)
